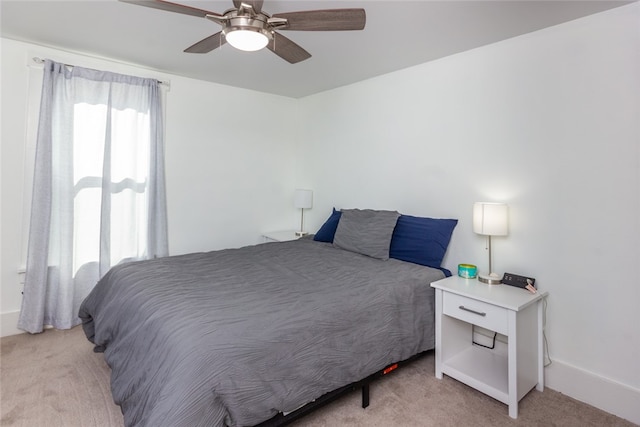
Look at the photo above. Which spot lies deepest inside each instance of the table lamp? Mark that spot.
(490, 219)
(302, 199)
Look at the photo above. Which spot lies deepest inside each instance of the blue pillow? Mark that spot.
(328, 229)
(421, 240)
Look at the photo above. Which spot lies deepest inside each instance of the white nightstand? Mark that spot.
(513, 312)
(280, 236)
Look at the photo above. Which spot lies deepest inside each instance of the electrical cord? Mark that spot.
(546, 356)
(493, 345)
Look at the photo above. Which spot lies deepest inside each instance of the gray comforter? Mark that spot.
(233, 337)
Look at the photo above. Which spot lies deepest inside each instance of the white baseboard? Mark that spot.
(603, 393)
(8, 324)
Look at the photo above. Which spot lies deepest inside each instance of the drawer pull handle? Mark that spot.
(462, 307)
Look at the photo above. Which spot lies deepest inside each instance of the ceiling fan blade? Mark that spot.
(172, 7)
(256, 4)
(208, 44)
(286, 49)
(324, 20)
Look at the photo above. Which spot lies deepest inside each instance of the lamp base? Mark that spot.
(301, 233)
(490, 279)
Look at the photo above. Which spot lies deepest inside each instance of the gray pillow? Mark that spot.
(367, 232)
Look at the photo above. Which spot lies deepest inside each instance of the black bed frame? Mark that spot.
(283, 420)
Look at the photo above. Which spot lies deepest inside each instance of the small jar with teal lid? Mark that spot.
(468, 271)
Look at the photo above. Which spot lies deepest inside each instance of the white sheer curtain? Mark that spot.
(99, 193)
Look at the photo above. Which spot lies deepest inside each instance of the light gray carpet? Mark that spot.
(55, 379)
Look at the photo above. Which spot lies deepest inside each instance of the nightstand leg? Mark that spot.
(513, 366)
(438, 334)
(540, 385)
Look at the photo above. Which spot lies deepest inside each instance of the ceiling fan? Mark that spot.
(247, 27)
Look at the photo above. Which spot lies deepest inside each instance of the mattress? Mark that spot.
(233, 337)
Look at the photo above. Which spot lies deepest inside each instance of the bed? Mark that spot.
(237, 336)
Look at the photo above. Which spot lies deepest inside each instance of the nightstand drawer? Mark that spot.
(476, 312)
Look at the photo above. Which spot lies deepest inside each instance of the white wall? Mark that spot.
(228, 179)
(549, 123)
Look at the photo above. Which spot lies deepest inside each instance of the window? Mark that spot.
(98, 195)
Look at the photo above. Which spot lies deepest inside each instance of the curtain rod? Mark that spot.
(41, 61)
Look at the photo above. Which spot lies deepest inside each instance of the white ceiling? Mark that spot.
(398, 34)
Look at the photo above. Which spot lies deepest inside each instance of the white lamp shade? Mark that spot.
(491, 219)
(303, 199)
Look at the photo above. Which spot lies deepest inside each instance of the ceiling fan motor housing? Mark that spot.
(257, 23)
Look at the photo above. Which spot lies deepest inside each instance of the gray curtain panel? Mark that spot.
(99, 189)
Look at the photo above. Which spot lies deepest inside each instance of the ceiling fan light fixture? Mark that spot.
(246, 27)
(247, 39)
